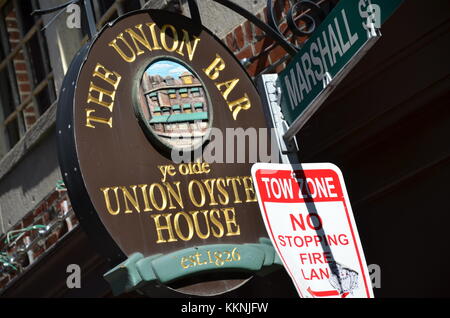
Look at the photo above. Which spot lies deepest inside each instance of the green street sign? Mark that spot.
(343, 38)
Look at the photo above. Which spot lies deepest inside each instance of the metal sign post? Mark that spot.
(90, 18)
(270, 97)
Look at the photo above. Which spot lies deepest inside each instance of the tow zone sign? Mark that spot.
(308, 216)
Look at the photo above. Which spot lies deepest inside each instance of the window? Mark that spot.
(187, 108)
(176, 109)
(153, 96)
(198, 107)
(172, 94)
(26, 81)
(183, 93)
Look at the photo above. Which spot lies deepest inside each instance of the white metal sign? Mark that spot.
(308, 216)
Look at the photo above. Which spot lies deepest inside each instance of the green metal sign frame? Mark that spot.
(139, 272)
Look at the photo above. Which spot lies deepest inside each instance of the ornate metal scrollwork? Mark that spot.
(302, 17)
(311, 20)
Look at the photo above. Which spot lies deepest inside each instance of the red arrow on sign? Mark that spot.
(326, 293)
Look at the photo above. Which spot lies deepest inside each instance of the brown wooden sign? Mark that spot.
(150, 85)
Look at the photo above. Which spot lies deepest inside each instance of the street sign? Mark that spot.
(308, 216)
(337, 45)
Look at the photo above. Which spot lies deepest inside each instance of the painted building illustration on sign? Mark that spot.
(173, 103)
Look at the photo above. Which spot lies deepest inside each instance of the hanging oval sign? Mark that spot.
(143, 120)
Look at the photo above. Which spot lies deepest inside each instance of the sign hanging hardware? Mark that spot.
(312, 14)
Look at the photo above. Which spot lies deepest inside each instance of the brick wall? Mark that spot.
(20, 69)
(247, 41)
(52, 218)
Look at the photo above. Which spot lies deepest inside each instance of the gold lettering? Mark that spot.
(175, 194)
(225, 198)
(233, 181)
(217, 66)
(189, 47)
(167, 227)
(100, 98)
(240, 104)
(197, 226)
(191, 193)
(229, 85)
(205, 167)
(116, 47)
(249, 189)
(209, 184)
(104, 97)
(167, 170)
(214, 214)
(108, 202)
(183, 262)
(178, 229)
(174, 36)
(132, 199)
(106, 75)
(156, 45)
(144, 195)
(139, 39)
(163, 204)
(90, 119)
(197, 257)
(231, 221)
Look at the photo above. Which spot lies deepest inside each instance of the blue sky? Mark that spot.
(166, 67)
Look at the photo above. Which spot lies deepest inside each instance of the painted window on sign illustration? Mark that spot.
(172, 103)
(26, 81)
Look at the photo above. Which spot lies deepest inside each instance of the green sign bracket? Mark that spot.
(137, 272)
